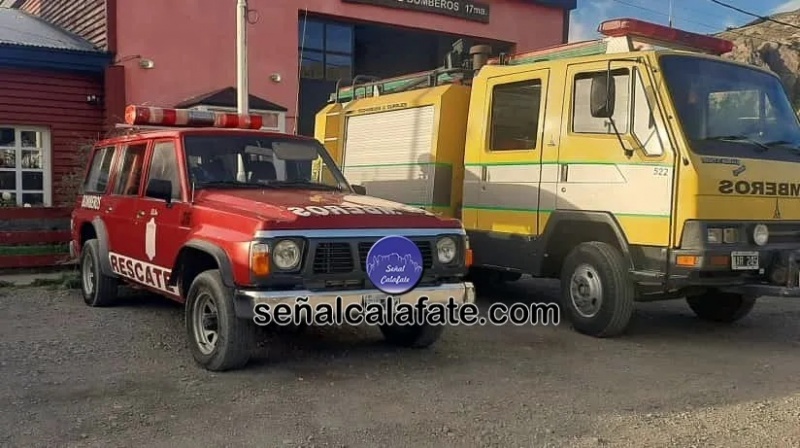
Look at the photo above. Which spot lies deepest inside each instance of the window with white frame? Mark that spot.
(24, 166)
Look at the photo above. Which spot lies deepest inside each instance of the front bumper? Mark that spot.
(246, 300)
(777, 273)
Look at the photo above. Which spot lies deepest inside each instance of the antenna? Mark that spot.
(300, 70)
(670, 13)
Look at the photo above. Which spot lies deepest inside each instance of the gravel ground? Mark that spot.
(71, 375)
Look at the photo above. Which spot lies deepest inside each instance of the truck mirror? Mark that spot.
(159, 189)
(359, 189)
(603, 93)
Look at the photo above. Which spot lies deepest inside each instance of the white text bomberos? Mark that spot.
(390, 312)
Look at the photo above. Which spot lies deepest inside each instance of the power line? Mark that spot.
(710, 27)
(765, 18)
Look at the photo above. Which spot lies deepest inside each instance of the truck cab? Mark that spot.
(641, 166)
(209, 211)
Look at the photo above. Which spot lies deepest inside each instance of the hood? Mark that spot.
(290, 208)
(738, 188)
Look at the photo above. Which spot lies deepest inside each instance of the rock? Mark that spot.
(772, 46)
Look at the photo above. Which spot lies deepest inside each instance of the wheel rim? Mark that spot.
(206, 323)
(87, 275)
(586, 291)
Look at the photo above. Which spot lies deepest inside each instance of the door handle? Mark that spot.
(564, 172)
(484, 173)
(140, 213)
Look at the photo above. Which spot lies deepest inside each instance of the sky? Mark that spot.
(701, 16)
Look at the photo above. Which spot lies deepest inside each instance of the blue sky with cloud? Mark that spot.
(702, 16)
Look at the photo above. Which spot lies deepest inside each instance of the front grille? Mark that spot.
(424, 249)
(782, 233)
(333, 258)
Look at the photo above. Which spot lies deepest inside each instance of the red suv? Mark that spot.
(226, 219)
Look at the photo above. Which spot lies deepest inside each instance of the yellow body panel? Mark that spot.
(450, 102)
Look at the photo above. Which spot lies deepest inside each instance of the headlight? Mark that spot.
(446, 250)
(286, 255)
(714, 235)
(761, 234)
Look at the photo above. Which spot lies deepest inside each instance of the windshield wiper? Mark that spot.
(229, 183)
(738, 138)
(302, 184)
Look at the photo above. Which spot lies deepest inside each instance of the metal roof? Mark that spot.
(21, 29)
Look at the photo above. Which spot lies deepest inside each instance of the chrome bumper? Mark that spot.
(245, 301)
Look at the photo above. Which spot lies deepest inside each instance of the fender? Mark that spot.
(560, 218)
(222, 259)
(102, 240)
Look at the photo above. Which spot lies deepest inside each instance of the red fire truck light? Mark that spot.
(159, 116)
(653, 31)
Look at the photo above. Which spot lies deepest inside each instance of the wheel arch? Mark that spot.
(197, 256)
(566, 229)
(96, 229)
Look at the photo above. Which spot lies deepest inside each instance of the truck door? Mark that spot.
(505, 204)
(618, 165)
(164, 227)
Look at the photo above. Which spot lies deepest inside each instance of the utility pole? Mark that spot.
(242, 89)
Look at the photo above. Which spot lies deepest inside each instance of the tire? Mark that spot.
(228, 343)
(721, 307)
(412, 336)
(98, 289)
(596, 292)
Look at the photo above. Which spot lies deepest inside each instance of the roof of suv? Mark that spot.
(172, 132)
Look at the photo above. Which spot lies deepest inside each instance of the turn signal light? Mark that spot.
(259, 259)
(468, 258)
(687, 260)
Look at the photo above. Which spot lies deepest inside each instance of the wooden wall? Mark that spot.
(57, 101)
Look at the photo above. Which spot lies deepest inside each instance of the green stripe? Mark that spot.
(430, 204)
(533, 210)
(568, 163)
(380, 165)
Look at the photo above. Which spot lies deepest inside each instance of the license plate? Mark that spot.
(744, 261)
(379, 299)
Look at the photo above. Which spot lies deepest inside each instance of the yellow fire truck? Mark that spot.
(637, 167)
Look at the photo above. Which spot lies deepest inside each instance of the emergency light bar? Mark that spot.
(664, 36)
(159, 116)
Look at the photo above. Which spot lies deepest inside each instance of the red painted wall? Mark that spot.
(58, 102)
(192, 42)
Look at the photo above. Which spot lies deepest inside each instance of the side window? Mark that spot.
(130, 173)
(99, 171)
(644, 124)
(582, 120)
(164, 166)
(515, 115)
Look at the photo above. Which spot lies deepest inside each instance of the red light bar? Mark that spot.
(661, 33)
(159, 116)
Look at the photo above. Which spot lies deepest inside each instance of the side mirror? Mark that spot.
(159, 189)
(359, 189)
(604, 92)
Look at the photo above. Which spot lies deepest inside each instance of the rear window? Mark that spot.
(99, 171)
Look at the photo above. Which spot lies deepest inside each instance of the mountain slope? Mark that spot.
(771, 45)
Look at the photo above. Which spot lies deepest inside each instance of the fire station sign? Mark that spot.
(463, 9)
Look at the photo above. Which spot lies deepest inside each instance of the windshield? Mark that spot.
(731, 111)
(255, 161)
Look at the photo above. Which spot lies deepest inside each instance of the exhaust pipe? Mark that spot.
(479, 54)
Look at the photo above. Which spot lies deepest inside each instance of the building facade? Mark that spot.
(51, 100)
(170, 51)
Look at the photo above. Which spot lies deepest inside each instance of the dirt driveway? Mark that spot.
(71, 375)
